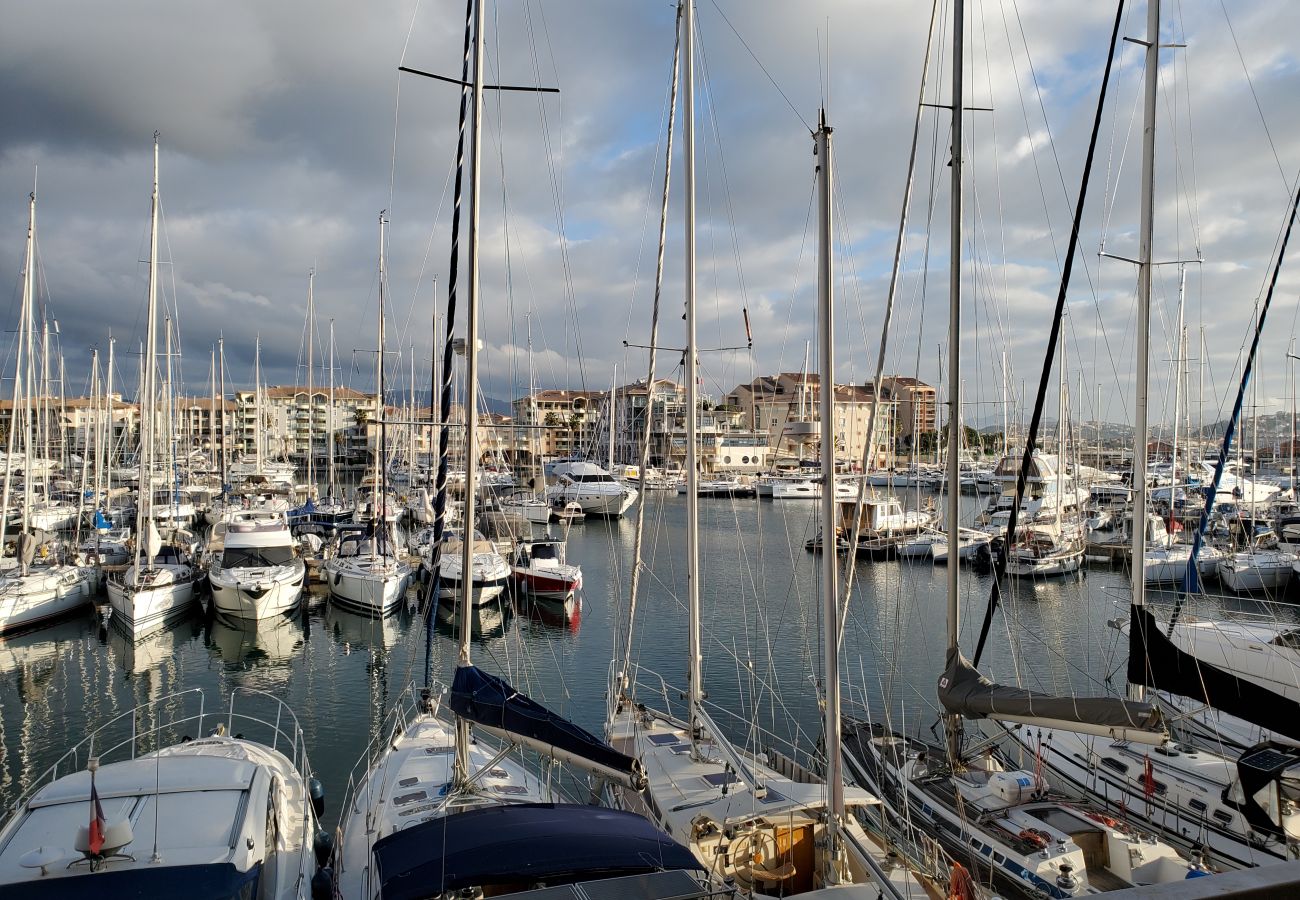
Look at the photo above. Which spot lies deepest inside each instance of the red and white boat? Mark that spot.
(539, 569)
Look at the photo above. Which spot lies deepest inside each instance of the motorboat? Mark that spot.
(255, 573)
(540, 569)
(591, 487)
(206, 815)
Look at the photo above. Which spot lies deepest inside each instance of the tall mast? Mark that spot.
(1178, 388)
(952, 723)
(225, 449)
(613, 395)
(379, 501)
(829, 558)
(109, 403)
(462, 769)
(24, 323)
(212, 408)
(311, 398)
(144, 509)
(329, 414)
(170, 462)
(694, 687)
(257, 402)
(98, 404)
(1145, 237)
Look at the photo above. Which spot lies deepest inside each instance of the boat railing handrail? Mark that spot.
(1123, 596)
(643, 678)
(406, 706)
(76, 757)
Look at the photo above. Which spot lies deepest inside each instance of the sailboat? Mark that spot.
(1006, 822)
(366, 574)
(158, 586)
(441, 803)
(1238, 810)
(771, 826)
(31, 595)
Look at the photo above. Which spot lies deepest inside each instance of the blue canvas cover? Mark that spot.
(523, 843)
(491, 701)
(216, 881)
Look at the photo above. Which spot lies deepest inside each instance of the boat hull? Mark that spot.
(257, 594)
(373, 588)
(163, 595)
(41, 598)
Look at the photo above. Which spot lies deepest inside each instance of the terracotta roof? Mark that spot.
(288, 391)
(203, 403)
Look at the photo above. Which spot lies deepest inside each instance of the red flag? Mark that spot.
(97, 821)
(1148, 779)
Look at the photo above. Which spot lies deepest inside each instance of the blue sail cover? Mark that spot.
(492, 702)
(522, 843)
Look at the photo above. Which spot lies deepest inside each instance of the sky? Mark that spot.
(285, 128)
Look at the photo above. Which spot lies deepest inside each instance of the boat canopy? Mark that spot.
(1157, 662)
(493, 703)
(522, 843)
(963, 690)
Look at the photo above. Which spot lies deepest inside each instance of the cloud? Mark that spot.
(286, 128)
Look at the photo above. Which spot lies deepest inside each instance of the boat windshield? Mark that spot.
(544, 551)
(255, 557)
(594, 477)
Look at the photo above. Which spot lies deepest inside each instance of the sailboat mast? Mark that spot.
(144, 509)
(23, 322)
(829, 558)
(257, 401)
(311, 397)
(379, 502)
(108, 435)
(1145, 238)
(212, 409)
(1178, 389)
(329, 414)
(694, 688)
(952, 722)
(225, 450)
(462, 769)
(613, 395)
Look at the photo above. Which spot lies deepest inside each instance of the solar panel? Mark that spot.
(660, 739)
(1268, 760)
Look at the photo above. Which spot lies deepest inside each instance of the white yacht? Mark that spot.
(254, 572)
(208, 815)
(591, 487)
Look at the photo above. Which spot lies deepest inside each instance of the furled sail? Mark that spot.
(494, 704)
(1157, 662)
(964, 691)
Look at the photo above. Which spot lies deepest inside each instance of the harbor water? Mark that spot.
(340, 672)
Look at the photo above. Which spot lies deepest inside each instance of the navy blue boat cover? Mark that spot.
(215, 881)
(522, 843)
(491, 701)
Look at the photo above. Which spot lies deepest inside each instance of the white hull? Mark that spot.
(595, 502)
(44, 595)
(257, 593)
(372, 587)
(1202, 777)
(164, 596)
(1256, 571)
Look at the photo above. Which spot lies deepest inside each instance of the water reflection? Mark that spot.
(257, 643)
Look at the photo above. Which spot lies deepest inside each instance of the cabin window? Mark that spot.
(1223, 816)
(1115, 764)
(1197, 805)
